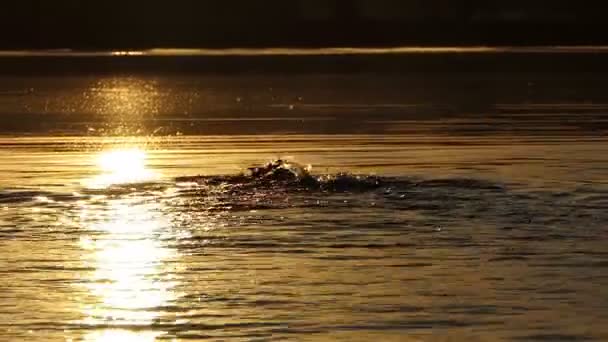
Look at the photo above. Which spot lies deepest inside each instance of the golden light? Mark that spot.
(124, 100)
(121, 336)
(123, 161)
(130, 281)
(123, 166)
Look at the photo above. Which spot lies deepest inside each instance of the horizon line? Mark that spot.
(324, 51)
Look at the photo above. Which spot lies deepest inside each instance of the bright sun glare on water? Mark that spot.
(121, 166)
(129, 278)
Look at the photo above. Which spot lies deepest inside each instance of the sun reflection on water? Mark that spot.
(121, 166)
(121, 336)
(123, 99)
(132, 280)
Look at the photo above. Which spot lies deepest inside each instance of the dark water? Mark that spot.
(439, 207)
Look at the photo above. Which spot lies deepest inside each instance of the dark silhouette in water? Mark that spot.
(294, 176)
(278, 169)
(281, 174)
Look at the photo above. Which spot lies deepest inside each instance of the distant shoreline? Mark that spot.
(574, 59)
(327, 51)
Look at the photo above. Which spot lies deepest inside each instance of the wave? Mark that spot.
(276, 176)
(14, 196)
(282, 184)
(290, 175)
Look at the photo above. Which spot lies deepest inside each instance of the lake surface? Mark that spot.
(439, 206)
